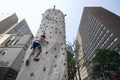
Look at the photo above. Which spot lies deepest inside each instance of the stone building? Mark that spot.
(12, 51)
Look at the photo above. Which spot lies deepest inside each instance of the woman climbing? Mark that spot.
(37, 44)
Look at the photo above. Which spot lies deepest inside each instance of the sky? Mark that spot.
(32, 11)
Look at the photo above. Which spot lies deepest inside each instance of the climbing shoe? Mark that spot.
(36, 59)
(27, 63)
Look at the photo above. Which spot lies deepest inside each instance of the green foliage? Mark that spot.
(71, 62)
(106, 63)
(72, 51)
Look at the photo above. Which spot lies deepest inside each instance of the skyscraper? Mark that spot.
(11, 24)
(53, 63)
(99, 28)
(15, 38)
(82, 73)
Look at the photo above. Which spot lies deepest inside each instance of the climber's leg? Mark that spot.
(36, 57)
(39, 51)
(32, 53)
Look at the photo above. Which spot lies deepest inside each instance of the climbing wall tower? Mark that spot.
(53, 62)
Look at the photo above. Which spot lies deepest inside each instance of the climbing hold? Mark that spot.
(31, 74)
(55, 49)
(46, 52)
(63, 53)
(50, 32)
(50, 36)
(44, 69)
(55, 56)
(65, 75)
(55, 65)
(64, 63)
(60, 32)
(56, 32)
(56, 21)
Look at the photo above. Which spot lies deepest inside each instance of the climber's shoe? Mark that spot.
(27, 63)
(36, 59)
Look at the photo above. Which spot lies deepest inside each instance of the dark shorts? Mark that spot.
(36, 44)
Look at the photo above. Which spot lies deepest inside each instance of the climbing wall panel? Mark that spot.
(53, 63)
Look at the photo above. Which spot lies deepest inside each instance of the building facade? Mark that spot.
(11, 24)
(99, 28)
(12, 51)
(53, 59)
(82, 73)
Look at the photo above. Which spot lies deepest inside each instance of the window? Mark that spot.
(115, 39)
(111, 35)
(107, 31)
(14, 42)
(110, 44)
(1, 51)
(104, 28)
(4, 51)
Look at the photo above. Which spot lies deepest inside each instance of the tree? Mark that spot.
(72, 55)
(106, 63)
(76, 50)
(71, 62)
